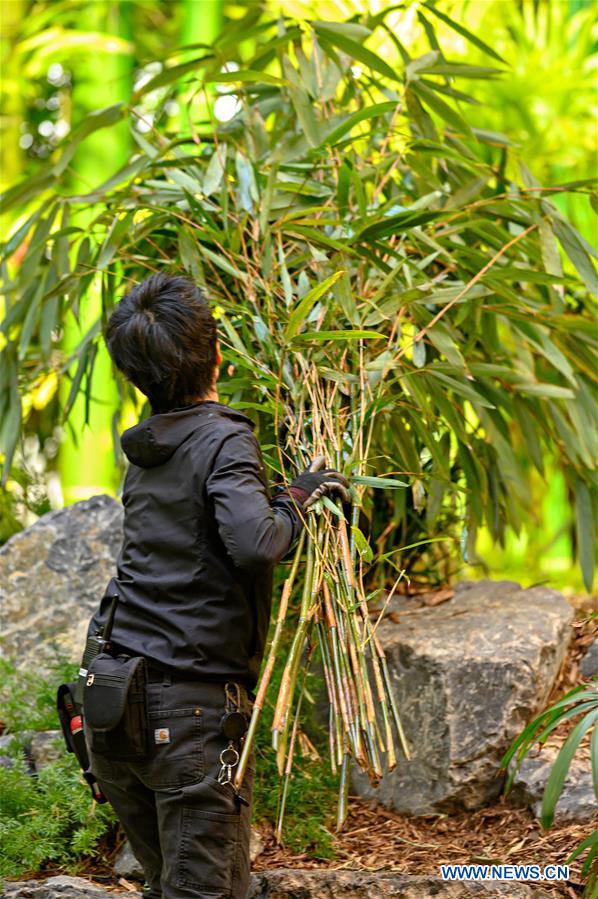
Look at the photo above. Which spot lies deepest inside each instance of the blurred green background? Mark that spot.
(63, 59)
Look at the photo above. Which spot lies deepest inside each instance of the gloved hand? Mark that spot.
(317, 482)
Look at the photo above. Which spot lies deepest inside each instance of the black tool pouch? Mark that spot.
(115, 707)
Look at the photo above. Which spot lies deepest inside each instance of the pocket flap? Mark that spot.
(109, 682)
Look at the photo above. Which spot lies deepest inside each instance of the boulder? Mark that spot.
(589, 663)
(256, 844)
(52, 576)
(7, 748)
(468, 674)
(61, 887)
(577, 802)
(303, 884)
(126, 864)
(46, 746)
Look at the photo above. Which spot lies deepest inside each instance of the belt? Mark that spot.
(214, 689)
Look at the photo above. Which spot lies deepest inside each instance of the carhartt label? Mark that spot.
(162, 735)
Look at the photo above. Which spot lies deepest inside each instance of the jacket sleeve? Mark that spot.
(256, 532)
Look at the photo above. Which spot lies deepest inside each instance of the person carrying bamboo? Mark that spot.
(194, 590)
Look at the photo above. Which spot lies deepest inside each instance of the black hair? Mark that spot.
(163, 338)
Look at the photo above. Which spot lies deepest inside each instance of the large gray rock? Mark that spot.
(61, 887)
(46, 746)
(52, 576)
(577, 802)
(302, 884)
(126, 864)
(589, 663)
(468, 674)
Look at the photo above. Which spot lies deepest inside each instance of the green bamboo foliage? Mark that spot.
(392, 284)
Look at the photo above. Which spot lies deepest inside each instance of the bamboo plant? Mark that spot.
(392, 285)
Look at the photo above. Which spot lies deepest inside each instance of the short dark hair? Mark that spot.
(163, 338)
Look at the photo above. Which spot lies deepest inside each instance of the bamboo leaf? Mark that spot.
(437, 104)
(335, 336)
(381, 483)
(419, 353)
(461, 70)
(17, 238)
(577, 253)
(215, 171)
(460, 29)
(362, 115)
(354, 50)
(120, 226)
(462, 388)
(248, 194)
(584, 519)
(594, 756)
(363, 547)
(304, 306)
(244, 76)
(101, 118)
(395, 224)
(560, 768)
(588, 843)
(189, 254)
(170, 75)
(21, 193)
(546, 390)
(303, 105)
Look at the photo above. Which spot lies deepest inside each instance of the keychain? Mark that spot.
(233, 725)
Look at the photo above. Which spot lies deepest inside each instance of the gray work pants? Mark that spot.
(188, 831)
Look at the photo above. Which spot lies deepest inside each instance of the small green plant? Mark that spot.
(581, 701)
(48, 818)
(28, 701)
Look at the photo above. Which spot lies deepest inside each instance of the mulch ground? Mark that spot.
(375, 838)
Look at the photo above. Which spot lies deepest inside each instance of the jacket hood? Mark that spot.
(153, 441)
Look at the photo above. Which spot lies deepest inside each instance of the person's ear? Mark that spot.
(218, 353)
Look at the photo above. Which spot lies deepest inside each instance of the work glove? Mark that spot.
(317, 482)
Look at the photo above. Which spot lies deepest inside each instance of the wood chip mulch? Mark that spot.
(376, 839)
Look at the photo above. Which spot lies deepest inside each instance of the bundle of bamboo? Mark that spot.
(333, 614)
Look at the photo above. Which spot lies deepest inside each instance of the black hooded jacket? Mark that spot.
(201, 537)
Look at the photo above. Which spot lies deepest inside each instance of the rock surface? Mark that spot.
(301, 884)
(589, 663)
(469, 674)
(126, 864)
(46, 746)
(60, 888)
(52, 576)
(577, 802)
(256, 844)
